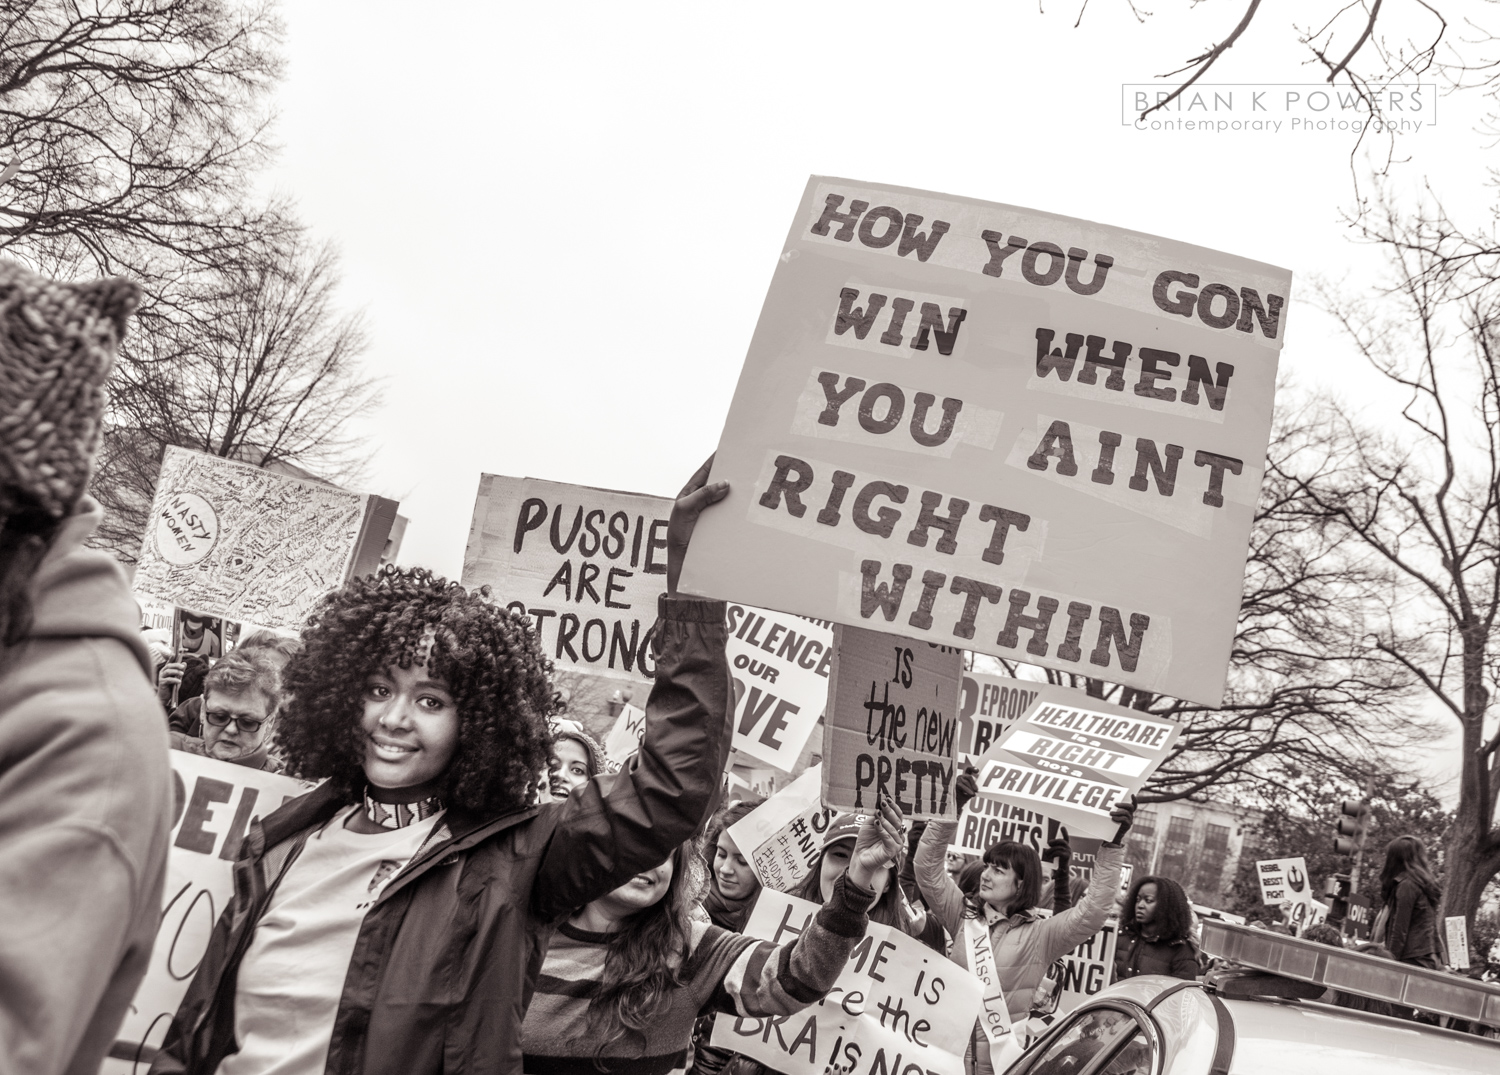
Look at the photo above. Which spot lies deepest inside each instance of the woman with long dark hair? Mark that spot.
(626, 976)
(1156, 931)
(1410, 895)
(392, 921)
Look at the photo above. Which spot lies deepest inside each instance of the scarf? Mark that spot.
(727, 913)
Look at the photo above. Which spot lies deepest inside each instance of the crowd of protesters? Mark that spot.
(471, 885)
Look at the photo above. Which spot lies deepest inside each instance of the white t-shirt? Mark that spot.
(289, 984)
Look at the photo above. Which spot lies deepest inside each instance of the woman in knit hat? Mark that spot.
(626, 976)
(890, 908)
(85, 787)
(574, 760)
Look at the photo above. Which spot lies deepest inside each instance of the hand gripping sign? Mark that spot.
(1001, 429)
(897, 1005)
(1074, 763)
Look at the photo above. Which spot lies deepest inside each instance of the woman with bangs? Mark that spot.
(1023, 942)
(393, 920)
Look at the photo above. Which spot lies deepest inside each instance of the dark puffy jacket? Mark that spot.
(447, 958)
(1136, 955)
(1411, 931)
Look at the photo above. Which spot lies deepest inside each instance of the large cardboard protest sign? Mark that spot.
(229, 539)
(782, 837)
(781, 665)
(1001, 429)
(890, 725)
(898, 1004)
(1075, 763)
(585, 564)
(215, 802)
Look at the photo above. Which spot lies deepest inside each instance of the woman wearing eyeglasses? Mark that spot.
(240, 696)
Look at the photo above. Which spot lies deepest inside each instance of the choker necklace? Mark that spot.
(401, 806)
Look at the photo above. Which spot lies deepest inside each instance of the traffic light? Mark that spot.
(1351, 826)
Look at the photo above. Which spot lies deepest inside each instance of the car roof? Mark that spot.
(1293, 1037)
(1297, 1037)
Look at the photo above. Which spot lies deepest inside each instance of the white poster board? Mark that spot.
(1075, 762)
(1283, 879)
(1456, 933)
(781, 664)
(232, 540)
(1001, 429)
(783, 836)
(898, 1005)
(215, 802)
(1087, 969)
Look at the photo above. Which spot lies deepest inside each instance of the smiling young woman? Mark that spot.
(393, 920)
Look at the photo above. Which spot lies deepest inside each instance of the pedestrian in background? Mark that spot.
(241, 696)
(1410, 896)
(85, 786)
(1156, 932)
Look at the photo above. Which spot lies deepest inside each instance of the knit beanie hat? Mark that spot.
(57, 346)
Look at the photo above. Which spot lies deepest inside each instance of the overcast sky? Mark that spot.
(561, 219)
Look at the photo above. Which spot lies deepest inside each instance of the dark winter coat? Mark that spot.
(1135, 955)
(1411, 931)
(447, 957)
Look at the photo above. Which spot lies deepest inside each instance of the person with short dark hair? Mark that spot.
(1156, 931)
(393, 921)
(85, 784)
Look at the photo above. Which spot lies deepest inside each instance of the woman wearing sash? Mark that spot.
(998, 933)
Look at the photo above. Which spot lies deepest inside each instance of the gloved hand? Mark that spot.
(965, 787)
(1123, 815)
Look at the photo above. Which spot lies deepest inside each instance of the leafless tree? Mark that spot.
(1419, 494)
(133, 126)
(252, 361)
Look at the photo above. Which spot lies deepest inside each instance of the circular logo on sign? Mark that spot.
(186, 529)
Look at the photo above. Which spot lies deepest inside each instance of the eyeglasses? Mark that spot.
(219, 720)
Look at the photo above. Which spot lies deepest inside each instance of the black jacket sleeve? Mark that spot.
(620, 824)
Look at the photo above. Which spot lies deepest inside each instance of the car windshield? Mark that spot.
(1090, 1034)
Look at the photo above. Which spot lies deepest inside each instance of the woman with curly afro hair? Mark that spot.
(394, 919)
